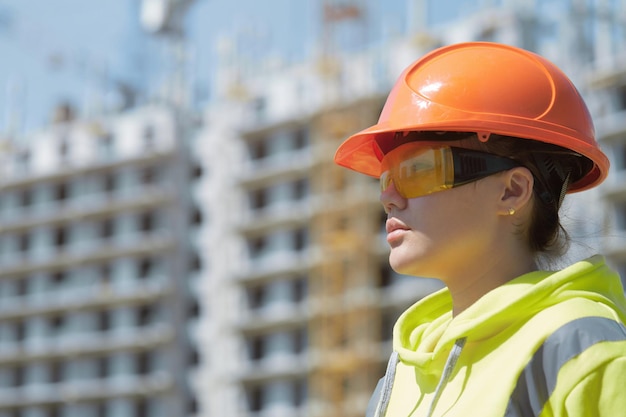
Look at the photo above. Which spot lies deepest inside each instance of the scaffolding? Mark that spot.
(345, 326)
(345, 320)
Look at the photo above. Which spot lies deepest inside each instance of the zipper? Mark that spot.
(453, 357)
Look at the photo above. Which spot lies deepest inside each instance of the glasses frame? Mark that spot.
(469, 165)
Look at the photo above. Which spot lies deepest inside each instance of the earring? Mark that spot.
(511, 211)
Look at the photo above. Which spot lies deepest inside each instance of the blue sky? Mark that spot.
(54, 50)
(74, 50)
(51, 49)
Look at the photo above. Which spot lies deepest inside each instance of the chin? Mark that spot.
(420, 258)
(414, 265)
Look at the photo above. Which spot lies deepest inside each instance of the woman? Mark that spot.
(475, 149)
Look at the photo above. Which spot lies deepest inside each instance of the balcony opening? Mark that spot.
(146, 222)
(258, 198)
(386, 276)
(256, 348)
(147, 175)
(259, 149)
(21, 287)
(103, 319)
(102, 365)
(106, 229)
(105, 274)
(101, 410)
(256, 297)
(20, 331)
(64, 150)
(300, 392)
(300, 239)
(300, 340)
(55, 372)
(60, 192)
(56, 324)
(257, 246)
(255, 397)
(26, 198)
(195, 263)
(22, 162)
(149, 137)
(387, 321)
(145, 268)
(143, 362)
(105, 145)
(145, 315)
(194, 309)
(192, 405)
(109, 183)
(18, 376)
(141, 407)
(58, 279)
(196, 171)
(300, 289)
(24, 242)
(193, 358)
(300, 189)
(60, 237)
(196, 216)
(300, 139)
(259, 106)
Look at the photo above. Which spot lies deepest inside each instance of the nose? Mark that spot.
(391, 199)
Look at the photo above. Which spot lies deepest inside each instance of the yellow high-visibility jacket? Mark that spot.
(544, 344)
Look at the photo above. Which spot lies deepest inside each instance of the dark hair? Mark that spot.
(554, 168)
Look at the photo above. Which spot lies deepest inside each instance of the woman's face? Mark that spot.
(440, 234)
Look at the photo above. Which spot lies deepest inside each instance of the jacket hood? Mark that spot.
(426, 331)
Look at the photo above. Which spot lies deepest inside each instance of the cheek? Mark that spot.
(437, 212)
(447, 228)
(450, 219)
(432, 222)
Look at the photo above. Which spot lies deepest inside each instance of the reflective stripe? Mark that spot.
(538, 380)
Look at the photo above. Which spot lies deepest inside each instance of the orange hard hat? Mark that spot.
(487, 88)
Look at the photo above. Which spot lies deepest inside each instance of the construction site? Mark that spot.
(144, 274)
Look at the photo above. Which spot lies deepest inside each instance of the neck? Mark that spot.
(469, 285)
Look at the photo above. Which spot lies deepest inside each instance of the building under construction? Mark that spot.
(301, 292)
(98, 269)
(301, 299)
(151, 270)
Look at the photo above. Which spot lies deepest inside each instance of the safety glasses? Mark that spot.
(420, 168)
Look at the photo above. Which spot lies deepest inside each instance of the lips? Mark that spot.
(394, 224)
(395, 229)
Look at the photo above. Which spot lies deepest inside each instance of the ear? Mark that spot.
(517, 190)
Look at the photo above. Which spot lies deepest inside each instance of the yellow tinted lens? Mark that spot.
(385, 180)
(417, 170)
